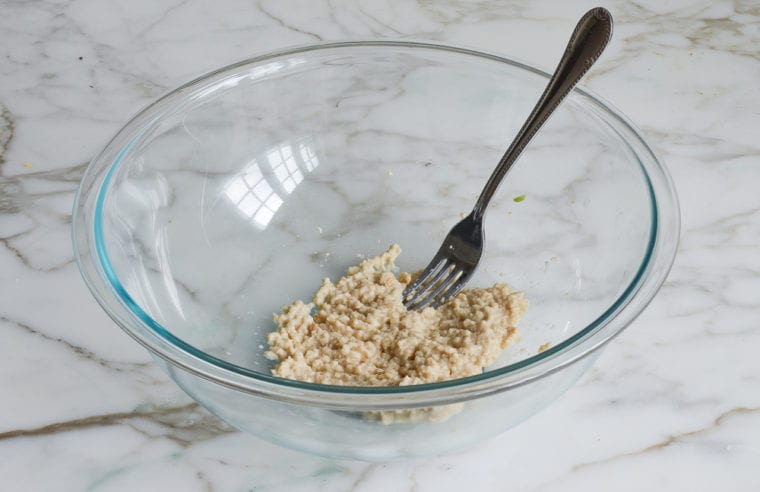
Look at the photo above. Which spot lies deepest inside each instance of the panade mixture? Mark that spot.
(357, 332)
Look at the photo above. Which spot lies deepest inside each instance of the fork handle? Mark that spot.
(586, 44)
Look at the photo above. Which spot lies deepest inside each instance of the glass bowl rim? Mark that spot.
(162, 343)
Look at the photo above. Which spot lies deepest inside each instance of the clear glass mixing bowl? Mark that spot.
(239, 191)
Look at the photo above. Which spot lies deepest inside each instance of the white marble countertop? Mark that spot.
(673, 403)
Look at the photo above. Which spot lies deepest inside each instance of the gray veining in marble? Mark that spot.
(671, 405)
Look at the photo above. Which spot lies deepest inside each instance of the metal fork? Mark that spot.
(462, 248)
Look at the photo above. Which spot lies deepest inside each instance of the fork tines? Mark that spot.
(434, 284)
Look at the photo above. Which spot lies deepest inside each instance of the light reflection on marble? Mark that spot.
(671, 405)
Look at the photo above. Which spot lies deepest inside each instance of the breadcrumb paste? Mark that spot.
(357, 332)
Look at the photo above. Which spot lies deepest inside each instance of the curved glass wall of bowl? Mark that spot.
(245, 197)
(400, 137)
